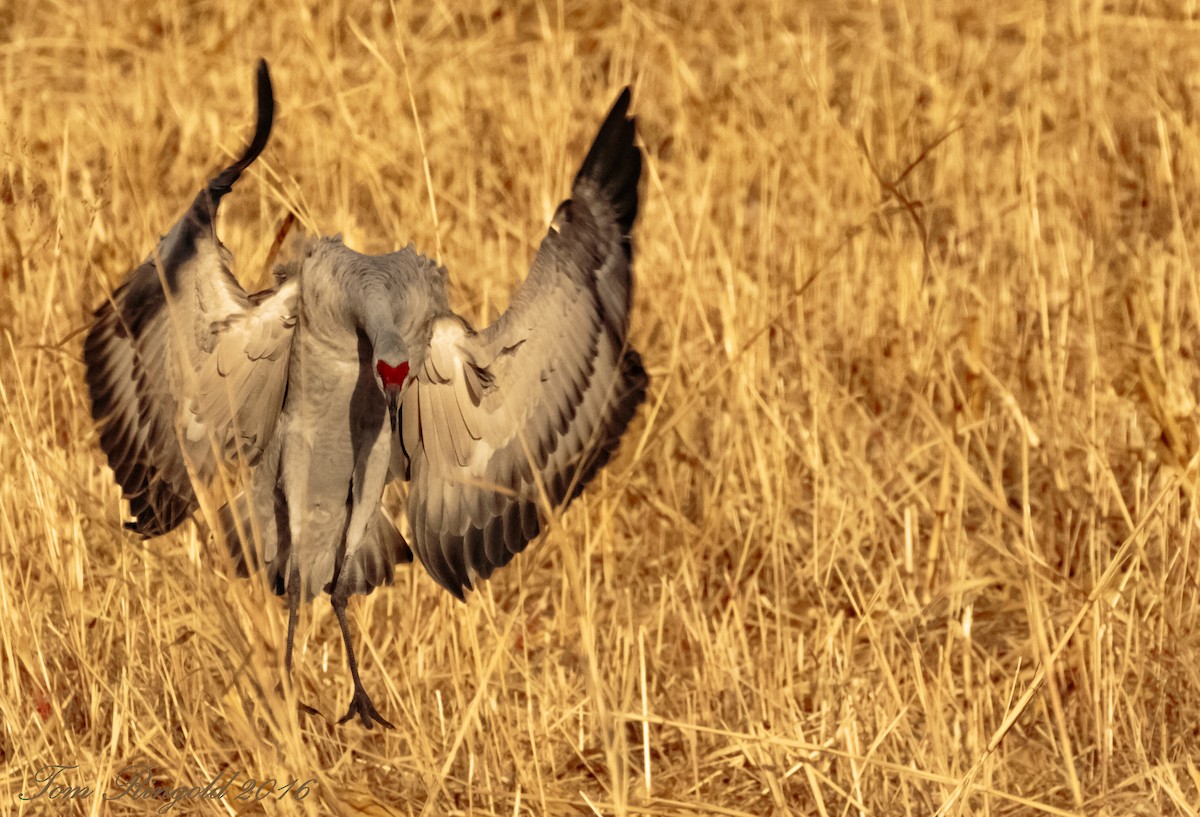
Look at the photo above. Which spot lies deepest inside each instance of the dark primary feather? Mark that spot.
(223, 182)
(135, 412)
(615, 164)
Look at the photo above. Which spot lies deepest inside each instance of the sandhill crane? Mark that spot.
(353, 370)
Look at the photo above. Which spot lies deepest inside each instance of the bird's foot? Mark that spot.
(361, 705)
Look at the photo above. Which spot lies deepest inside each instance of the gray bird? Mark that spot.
(282, 414)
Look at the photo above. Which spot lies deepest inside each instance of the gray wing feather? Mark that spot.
(499, 424)
(241, 383)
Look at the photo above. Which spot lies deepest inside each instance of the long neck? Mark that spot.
(380, 310)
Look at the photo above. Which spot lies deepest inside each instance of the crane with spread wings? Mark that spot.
(282, 414)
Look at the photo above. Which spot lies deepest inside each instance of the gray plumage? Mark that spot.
(352, 370)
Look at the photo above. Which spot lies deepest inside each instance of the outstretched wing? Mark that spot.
(182, 365)
(500, 423)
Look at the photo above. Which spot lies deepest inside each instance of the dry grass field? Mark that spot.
(907, 526)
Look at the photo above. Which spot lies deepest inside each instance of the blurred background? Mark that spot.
(907, 524)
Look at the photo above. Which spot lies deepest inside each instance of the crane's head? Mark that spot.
(392, 379)
(391, 376)
(391, 372)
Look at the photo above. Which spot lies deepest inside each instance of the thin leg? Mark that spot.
(293, 617)
(360, 704)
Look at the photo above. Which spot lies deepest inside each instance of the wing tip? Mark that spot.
(156, 511)
(614, 161)
(223, 182)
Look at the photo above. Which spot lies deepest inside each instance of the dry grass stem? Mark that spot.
(907, 525)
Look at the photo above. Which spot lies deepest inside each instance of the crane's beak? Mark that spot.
(392, 395)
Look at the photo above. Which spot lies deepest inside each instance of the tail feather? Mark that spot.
(373, 563)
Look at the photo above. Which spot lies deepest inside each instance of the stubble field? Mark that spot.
(907, 525)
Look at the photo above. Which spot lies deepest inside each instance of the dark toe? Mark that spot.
(361, 705)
